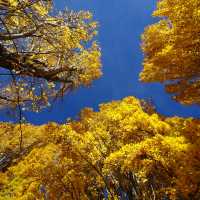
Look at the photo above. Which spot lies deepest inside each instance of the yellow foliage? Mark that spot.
(105, 150)
(52, 48)
(172, 49)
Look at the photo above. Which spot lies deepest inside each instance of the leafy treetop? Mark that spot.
(44, 53)
(172, 49)
(119, 150)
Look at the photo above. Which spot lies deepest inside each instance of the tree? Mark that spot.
(172, 49)
(44, 53)
(116, 152)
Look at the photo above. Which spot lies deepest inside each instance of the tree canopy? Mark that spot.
(172, 49)
(44, 53)
(122, 150)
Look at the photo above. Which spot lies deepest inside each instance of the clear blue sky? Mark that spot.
(121, 24)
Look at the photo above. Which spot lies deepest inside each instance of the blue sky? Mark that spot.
(121, 24)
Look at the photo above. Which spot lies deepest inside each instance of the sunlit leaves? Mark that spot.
(121, 147)
(172, 49)
(41, 47)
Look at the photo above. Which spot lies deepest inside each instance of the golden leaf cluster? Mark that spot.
(121, 147)
(172, 49)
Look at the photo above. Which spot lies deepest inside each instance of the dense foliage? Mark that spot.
(44, 53)
(172, 49)
(119, 151)
(124, 151)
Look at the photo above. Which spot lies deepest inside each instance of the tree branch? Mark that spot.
(30, 67)
(12, 36)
